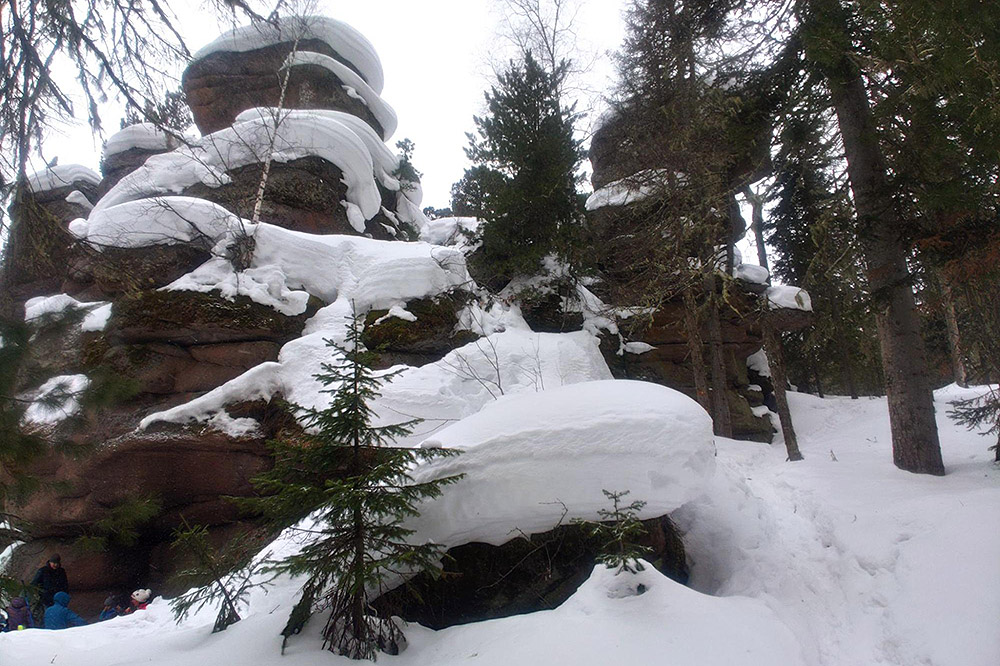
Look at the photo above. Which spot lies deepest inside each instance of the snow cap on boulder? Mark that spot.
(533, 460)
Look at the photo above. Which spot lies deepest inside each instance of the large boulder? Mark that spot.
(304, 194)
(424, 335)
(529, 573)
(40, 250)
(127, 150)
(223, 83)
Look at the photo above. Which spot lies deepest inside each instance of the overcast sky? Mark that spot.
(435, 54)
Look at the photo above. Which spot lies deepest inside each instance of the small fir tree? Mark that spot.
(230, 571)
(617, 532)
(354, 484)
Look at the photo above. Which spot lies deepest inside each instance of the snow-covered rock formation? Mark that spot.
(201, 319)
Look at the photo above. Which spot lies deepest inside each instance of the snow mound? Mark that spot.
(294, 135)
(383, 113)
(666, 624)
(533, 461)
(40, 306)
(448, 230)
(142, 136)
(372, 273)
(759, 364)
(347, 42)
(635, 188)
(788, 296)
(56, 399)
(155, 221)
(514, 361)
(752, 273)
(383, 159)
(58, 304)
(62, 175)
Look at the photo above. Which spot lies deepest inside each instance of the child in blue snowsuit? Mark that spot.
(58, 616)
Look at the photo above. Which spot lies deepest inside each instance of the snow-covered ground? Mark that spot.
(837, 560)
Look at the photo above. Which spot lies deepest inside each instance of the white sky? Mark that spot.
(435, 55)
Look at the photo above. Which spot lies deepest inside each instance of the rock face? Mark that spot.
(633, 183)
(40, 249)
(159, 349)
(222, 84)
(526, 574)
(129, 149)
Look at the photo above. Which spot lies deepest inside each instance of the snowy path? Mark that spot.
(866, 563)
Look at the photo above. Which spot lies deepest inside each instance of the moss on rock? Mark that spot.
(187, 317)
(428, 338)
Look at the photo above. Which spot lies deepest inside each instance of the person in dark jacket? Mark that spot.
(50, 579)
(19, 615)
(59, 616)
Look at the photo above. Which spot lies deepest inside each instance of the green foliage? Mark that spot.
(122, 525)
(814, 244)
(171, 113)
(523, 182)
(222, 576)
(980, 412)
(18, 448)
(474, 194)
(617, 532)
(406, 173)
(354, 485)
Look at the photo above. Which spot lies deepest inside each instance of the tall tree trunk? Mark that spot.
(852, 384)
(776, 361)
(915, 444)
(954, 338)
(737, 227)
(722, 420)
(814, 371)
(695, 346)
(757, 224)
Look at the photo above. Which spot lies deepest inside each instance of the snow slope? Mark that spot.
(839, 560)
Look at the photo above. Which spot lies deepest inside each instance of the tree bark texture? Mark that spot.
(915, 444)
(959, 373)
(695, 345)
(776, 361)
(722, 420)
(757, 224)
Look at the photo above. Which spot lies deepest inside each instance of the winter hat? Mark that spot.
(55, 558)
(110, 601)
(142, 596)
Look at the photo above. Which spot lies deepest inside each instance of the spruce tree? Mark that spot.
(525, 159)
(353, 483)
(617, 533)
(230, 572)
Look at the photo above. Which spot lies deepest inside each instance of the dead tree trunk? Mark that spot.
(722, 420)
(695, 346)
(954, 337)
(757, 223)
(915, 444)
(776, 361)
